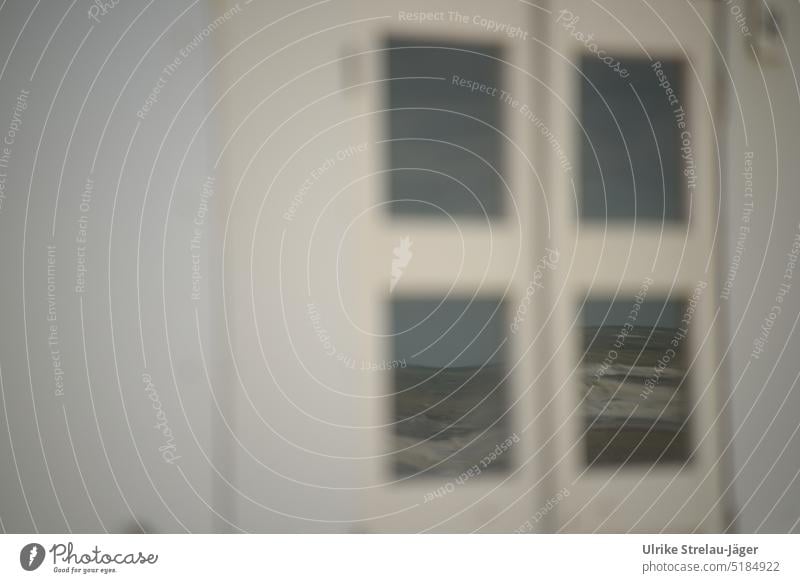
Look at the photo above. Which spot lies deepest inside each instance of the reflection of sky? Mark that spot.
(424, 112)
(466, 330)
(594, 313)
(617, 115)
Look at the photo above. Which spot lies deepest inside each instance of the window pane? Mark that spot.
(440, 130)
(450, 397)
(612, 116)
(635, 398)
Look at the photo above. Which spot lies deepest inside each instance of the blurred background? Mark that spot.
(342, 266)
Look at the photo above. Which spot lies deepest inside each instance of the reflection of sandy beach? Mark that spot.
(442, 414)
(613, 399)
(618, 392)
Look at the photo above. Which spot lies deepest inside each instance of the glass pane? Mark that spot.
(450, 395)
(635, 397)
(644, 181)
(440, 129)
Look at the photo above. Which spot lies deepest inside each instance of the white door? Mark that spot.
(635, 344)
(457, 262)
(427, 279)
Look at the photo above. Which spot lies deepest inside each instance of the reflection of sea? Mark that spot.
(447, 428)
(615, 393)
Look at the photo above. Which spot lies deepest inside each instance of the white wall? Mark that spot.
(763, 102)
(91, 79)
